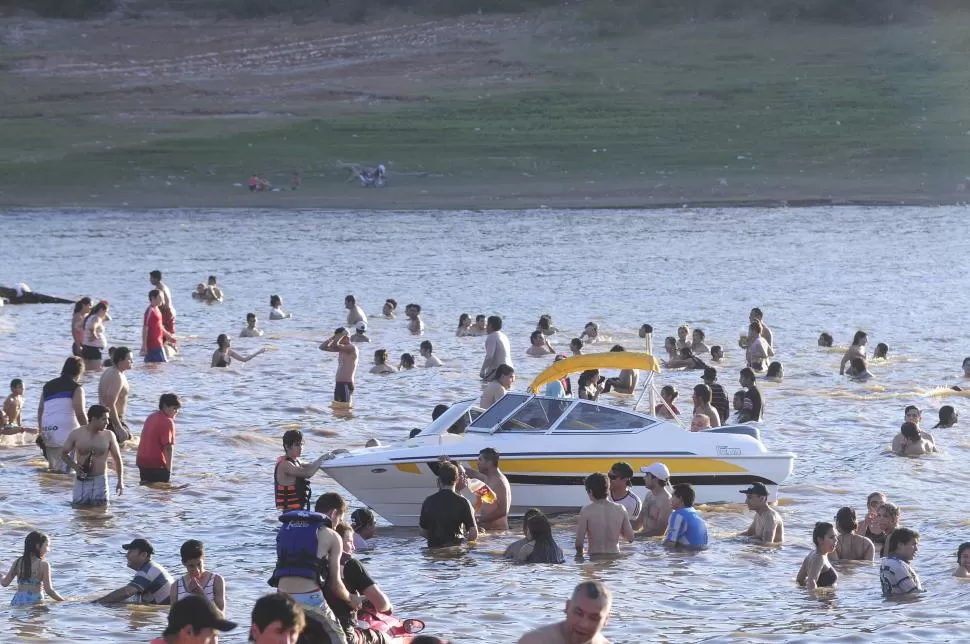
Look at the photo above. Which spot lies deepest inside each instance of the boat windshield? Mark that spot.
(498, 412)
(537, 415)
(593, 417)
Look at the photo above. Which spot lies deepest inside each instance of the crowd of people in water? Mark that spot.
(324, 593)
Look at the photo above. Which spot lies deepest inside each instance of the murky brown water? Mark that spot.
(900, 274)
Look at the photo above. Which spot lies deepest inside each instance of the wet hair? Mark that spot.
(597, 485)
(33, 543)
(575, 343)
(717, 349)
(447, 474)
(152, 294)
(222, 341)
(623, 469)
(490, 454)
(592, 590)
(535, 334)
(910, 431)
(710, 373)
(901, 536)
(846, 520)
(910, 408)
(330, 501)
(775, 370)
(495, 322)
(97, 411)
(250, 316)
(545, 321)
(479, 317)
(669, 389)
(407, 359)
(686, 352)
(617, 348)
(591, 325)
(464, 317)
(277, 607)
(892, 510)
(531, 512)
(73, 368)
(544, 548)
(351, 299)
(169, 400)
(703, 392)
(700, 333)
(274, 300)
(80, 304)
(685, 492)
(825, 339)
(821, 529)
(438, 410)
(392, 302)
(17, 382)
(192, 549)
(670, 340)
(120, 354)
(961, 548)
(339, 330)
(859, 337)
(343, 530)
(380, 356)
(426, 344)
(155, 275)
(948, 416)
(291, 437)
(757, 313)
(503, 370)
(212, 280)
(882, 350)
(362, 518)
(748, 374)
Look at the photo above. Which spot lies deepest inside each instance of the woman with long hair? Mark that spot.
(816, 571)
(81, 309)
(851, 546)
(94, 340)
(32, 572)
(541, 548)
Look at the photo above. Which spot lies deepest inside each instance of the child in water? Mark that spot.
(32, 572)
(364, 523)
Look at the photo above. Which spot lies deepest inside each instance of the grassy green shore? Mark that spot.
(486, 112)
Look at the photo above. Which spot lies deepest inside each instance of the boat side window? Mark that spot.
(538, 415)
(502, 408)
(589, 417)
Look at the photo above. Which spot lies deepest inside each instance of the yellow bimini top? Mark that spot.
(605, 360)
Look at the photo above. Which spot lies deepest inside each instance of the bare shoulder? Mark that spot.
(551, 634)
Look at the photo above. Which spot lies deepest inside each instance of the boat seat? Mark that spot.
(746, 430)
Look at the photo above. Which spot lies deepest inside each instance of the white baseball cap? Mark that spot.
(361, 326)
(658, 470)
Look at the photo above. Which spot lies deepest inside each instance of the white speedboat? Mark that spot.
(549, 445)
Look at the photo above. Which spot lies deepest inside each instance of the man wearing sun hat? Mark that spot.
(151, 584)
(194, 620)
(653, 519)
(767, 527)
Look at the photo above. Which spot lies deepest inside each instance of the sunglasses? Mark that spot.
(613, 476)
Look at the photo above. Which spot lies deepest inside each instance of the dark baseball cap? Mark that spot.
(141, 545)
(756, 488)
(198, 612)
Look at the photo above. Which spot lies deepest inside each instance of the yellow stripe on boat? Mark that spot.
(408, 468)
(678, 465)
(606, 360)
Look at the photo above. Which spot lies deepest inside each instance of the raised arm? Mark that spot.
(241, 358)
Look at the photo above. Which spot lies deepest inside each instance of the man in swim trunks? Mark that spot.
(93, 442)
(758, 349)
(719, 399)
(347, 356)
(494, 516)
(602, 520)
(113, 392)
(156, 449)
(153, 333)
(767, 527)
(586, 614)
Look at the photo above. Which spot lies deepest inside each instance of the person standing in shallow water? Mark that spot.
(851, 546)
(113, 393)
(93, 443)
(61, 411)
(347, 356)
(602, 520)
(33, 573)
(497, 351)
(816, 571)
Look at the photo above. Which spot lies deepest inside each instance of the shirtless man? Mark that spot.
(113, 393)
(390, 306)
(655, 515)
(13, 406)
(155, 277)
(427, 352)
(415, 323)
(250, 330)
(759, 349)
(626, 382)
(539, 345)
(360, 333)
(702, 404)
(757, 315)
(909, 442)
(602, 520)
(347, 356)
(481, 327)
(767, 527)
(494, 516)
(355, 314)
(586, 614)
(93, 442)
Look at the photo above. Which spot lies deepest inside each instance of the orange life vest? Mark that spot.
(291, 497)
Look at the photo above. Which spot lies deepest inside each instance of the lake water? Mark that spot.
(900, 274)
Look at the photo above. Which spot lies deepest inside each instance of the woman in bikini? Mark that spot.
(224, 355)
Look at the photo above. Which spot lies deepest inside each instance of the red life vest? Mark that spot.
(291, 497)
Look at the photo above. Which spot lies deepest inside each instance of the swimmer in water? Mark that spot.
(857, 350)
(576, 346)
(759, 349)
(683, 332)
(355, 314)
(963, 560)
(717, 353)
(702, 406)
(276, 311)
(360, 334)
(380, 363)
(590, 332)
(427, 352)
(539, 345)
(913, 414)
(480, 327)
(909, 442)
(825, 340)
(224, 354)
(407, 362)
(697, 343)
(215, 293)
(756, 315)
(816, 571)
(626, 381)
(948, 417)
(464, 326)
(859, 370)
(545, 325)
(881, 351)
(389, 308)
(851, 546)
(250, 330)
(14, 404)
(776, 372)
(415, 323)
(670, 346)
